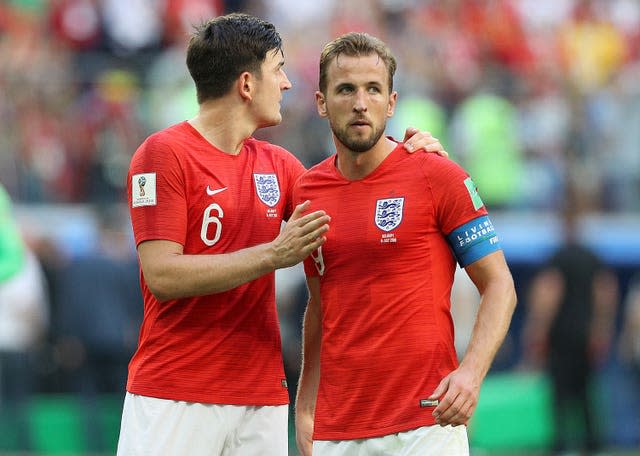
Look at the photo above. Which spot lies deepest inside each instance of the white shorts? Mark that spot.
(424, 441)
(160, 427)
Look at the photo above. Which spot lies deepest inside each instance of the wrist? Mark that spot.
(269, 258)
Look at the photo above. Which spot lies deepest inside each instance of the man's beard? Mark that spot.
(357, 144)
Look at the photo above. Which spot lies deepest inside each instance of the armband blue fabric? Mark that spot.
(474, 240)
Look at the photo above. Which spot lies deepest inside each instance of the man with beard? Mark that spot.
(379, 372)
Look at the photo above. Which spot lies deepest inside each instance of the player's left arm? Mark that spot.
(415, 140)
(458, 392)
(310, 371)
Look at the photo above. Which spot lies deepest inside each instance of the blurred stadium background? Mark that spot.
(537, 99)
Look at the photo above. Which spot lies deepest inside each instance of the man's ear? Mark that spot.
(245, 87)
(321, 104)
(393, 98)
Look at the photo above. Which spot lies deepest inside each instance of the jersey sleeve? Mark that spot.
(156, 192)
(460, 212)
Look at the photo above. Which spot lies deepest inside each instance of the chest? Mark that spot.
(233, 204)
(384, 222)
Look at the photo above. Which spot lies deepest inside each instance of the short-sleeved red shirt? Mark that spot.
(223, 348)
(387, 271)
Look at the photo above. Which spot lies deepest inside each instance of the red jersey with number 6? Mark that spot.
(222, 348)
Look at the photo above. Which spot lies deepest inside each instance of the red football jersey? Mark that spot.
(223, 348)
(386, 276)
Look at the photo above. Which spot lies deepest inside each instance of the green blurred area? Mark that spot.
(513, 417)
(61, 425)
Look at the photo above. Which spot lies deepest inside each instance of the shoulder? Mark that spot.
(174, 133)
(162, 142)
(163, 151)
(434, 162)
(434, 167)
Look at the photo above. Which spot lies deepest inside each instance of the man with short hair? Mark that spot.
(380, 374)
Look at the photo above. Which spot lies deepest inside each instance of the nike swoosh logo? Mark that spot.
(213, 192)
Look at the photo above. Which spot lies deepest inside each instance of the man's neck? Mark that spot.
(358, 165)
(224, 124)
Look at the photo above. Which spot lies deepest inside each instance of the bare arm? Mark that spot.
(458, 392)
(170, 274)
(310, 372)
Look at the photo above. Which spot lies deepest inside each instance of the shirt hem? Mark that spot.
(370, 434)
(198, 398)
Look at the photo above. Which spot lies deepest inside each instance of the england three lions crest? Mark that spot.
(389, 213)
(267, 188)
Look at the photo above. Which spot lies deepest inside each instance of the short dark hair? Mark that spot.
(222, 48)
(355, 44)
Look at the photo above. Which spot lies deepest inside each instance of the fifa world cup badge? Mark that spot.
(141, 183)
(143, 189)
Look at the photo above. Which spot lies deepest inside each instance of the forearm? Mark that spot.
(497, 304)
(310, 370)
(170, 274)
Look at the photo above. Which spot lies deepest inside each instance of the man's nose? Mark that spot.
(360, 104)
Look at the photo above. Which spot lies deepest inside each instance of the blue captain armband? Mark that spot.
(474, 240)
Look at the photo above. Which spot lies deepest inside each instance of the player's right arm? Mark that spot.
(310, 371)
(170, 274)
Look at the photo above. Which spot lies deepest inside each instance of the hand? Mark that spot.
(300, 236)
(415, 140)
(304, 433)
(458, 393)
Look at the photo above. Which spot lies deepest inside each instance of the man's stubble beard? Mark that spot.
(357, 144)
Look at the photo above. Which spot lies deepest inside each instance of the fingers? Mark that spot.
(441, 389)
(301, 235)
(313, 221)
(437, 148)
(457, 402)
(312, 228)
(454, 410)
(409, 132)
(299, 210)
(423, 140)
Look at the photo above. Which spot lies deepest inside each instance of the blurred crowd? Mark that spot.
(535, 98)
(529, 95)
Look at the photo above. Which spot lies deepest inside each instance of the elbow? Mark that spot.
(160, 287)
(161, 293)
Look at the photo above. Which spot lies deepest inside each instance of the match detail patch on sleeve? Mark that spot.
(474, 240)
(143, 190)
(473, 193)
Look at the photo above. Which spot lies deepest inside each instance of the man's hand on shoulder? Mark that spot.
(415, 140)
